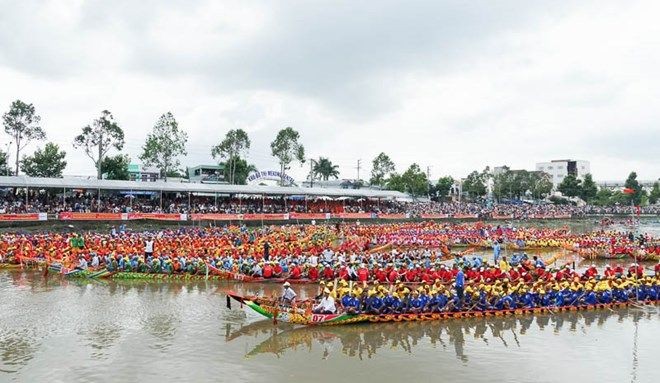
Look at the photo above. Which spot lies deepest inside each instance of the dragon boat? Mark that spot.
(303, 316)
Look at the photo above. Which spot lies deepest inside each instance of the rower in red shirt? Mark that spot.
(393, 275)
(609, 271)
(267, 271)
(591, 272)
(313, 273)
(295, 272)
(636, 269)
(363, 273)
(328, 273)
(277, 270)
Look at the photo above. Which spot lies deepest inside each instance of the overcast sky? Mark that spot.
(453, 85)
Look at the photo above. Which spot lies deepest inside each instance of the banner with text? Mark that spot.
(158, 216)
(76, 216)
(23, 217)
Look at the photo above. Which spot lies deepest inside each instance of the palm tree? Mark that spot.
(324, 168)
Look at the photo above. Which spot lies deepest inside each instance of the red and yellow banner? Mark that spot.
(158, 216)
(434, 216)
(352, 215)
(23, 217)
(216, 217)
(266, 217)
(75, 216)
(502, 216)
(464, 216)
(392, 216)
(309, 215)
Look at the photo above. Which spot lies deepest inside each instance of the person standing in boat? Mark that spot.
(148, 248)
(289, 295)
(459, 284)
(266, 251)
(326, 305)
(496, 252)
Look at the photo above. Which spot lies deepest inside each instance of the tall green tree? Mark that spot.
(97, 139)
(48, 162)
(396, 182)
(603, 197)
(589, 188)
(632, 183)
(571, 186)
(242, 170)
(415, 179)
(22, 123)
(232, 148)
(325, 169)
(164, 145)
(287, 148)
(4, 166)
(443, 186)
(654, 196)
(381, 168)
(475, 184)
(541, 184)
(116, 167)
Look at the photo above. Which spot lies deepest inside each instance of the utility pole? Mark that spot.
(428, 182)
(359, 162)
(311, 173)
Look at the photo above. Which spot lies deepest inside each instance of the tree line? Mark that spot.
(162, 149)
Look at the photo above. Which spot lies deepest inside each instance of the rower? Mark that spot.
(326, 305)
(289, 295)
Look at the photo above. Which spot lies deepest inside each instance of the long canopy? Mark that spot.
(183, 187)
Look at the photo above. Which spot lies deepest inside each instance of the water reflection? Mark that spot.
(17, 348)
(101, 338)
(363, 341)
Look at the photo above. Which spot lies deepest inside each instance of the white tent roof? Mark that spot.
(93, 183)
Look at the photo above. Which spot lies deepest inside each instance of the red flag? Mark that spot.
(628, 191)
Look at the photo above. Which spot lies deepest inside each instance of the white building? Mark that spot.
(558, 169)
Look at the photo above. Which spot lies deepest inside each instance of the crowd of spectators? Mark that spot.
(109, 202)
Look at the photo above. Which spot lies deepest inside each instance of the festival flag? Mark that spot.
(628, 191)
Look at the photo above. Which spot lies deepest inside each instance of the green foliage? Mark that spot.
(325, 169)
(22, 123)
(415, 180)
(97, 139)
(412, 181)
(654, 196)
(231, 149)
(541, 184)
(589, 189)
(442, 187)
(242, 170)
(632, 183)
(164, 145)
(4, 168)
(48, 162)
(602, 197)
(475, 184)
(517, 183)
(287, 148)
(396, 182)
(116, 167)
(382, 167)
(571, 186)
(560, 200)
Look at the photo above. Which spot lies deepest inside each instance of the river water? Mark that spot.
(58, 330)
(55, 330)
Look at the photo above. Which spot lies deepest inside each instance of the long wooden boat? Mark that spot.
(88, 274)
(303, 316)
